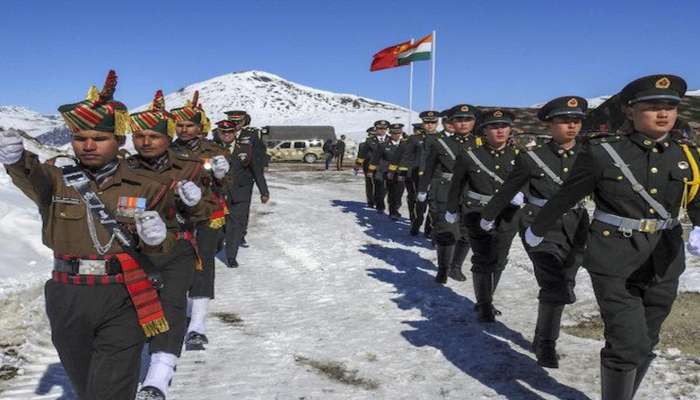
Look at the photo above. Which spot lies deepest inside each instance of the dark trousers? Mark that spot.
(329, 160)
(236, 226)
(98, 338)
(379, 191)
(369, 189)
(177, 270)
(208, 243)
(444, 233)
(339, 160)
(633, 310)
(395, 188)
(411, 192)
(490, 249)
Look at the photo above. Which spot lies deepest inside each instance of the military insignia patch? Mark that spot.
(464, 108)
(683, 165)
(663, 83)
(572, 102)
(130, 206)
(498, 114)
(65, 200)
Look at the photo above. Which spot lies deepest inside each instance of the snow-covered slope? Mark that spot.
(27, 120)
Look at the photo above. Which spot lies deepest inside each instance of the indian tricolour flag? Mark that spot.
(422, 50)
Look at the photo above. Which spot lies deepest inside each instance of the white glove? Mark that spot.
(531, 239)
(151, 228)
(486, 225)
(422, 196)
(11, 147)
(450, 217)
(219, 166)
(518, 200)
(694, 241)
(189, 193)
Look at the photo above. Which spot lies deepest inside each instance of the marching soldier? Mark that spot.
(413, 159)
(441, 155)
(191, 127)
(185, 177)
(362, 162)
(374, 143)
(635, 251)
(247, 169)
(100, 218)
(539, 173)
(478, 175)
(387, 168)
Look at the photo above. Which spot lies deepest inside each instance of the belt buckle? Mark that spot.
(92, 267)
(648, 226)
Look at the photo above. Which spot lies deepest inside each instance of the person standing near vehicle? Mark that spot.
(340, 152)
(328, 150)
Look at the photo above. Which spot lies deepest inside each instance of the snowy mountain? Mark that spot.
(29, 121)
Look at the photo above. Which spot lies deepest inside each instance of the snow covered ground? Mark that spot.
(328, 285)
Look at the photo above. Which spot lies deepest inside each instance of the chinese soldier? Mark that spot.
(243, 147)
(634, 255)
(539, 173)
(374, 143)
(479, 174)
(191, 127)
(362, 162)
(441, 154)
(413, 159)
(100, 217)
(387, 167)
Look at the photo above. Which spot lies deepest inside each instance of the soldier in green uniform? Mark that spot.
(362, 162)
(100, 218)
(374, 143)
(441, 155)
(539, 173)
(635, 251)
(191, 127)
(413, 159)
(478, 175)
(386, 164)
(185, 177)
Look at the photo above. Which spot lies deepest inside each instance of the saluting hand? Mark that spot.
(190, 194)
(11, 147)
(151, 228)
(220, 166)
(694, 241)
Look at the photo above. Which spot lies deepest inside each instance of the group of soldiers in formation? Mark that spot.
(135, 236)
(481, 190)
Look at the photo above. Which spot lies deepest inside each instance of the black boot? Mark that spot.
(444, 254)
(232, 263)
(642, 371)
(616, 385)
(415, 228)
(547, 333)
(496, 276)
(460, 254)
(484, 297)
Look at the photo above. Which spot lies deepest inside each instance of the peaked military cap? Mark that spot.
(156, 118)
(371, 130)
(396, 128)
(99, 111)
(418, 128)
(226, 125)
(668, 88)
(237, 115)
(429, 116)
(497, 116)
(381, 124)
(570, 106)
(192, 111)
(464, 111)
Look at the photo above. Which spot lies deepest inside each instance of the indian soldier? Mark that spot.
(340, 152)
(539, 173)
(374, 143)
(100, 218)
(441, 155)
(191, 127)
(185, 177)
(362, 162)
(635, 251)
(413, 158)
(386, 164)
(242, 145)
(478, 175)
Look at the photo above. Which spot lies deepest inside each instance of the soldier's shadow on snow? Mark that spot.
(380, 226)
(54, 376)
(483, 351)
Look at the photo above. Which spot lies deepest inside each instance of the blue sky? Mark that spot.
(488, 52)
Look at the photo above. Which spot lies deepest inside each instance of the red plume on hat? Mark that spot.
(158, 103)
(110, 86)
(195, 99)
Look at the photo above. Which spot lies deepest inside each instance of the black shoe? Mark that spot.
(395, 216)
(195, 341)
(616, 385)
(370, 205)
(232, 264)
(456, 274)
(244, 243)
(485, 312)
(415, 230)
(380, 211)
(547, 333)
(546, 353)
(150, 393)
(441, 276)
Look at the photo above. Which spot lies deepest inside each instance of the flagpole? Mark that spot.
(410, 96)
(432, 74)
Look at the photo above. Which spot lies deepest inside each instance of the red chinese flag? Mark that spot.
(388, 58)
